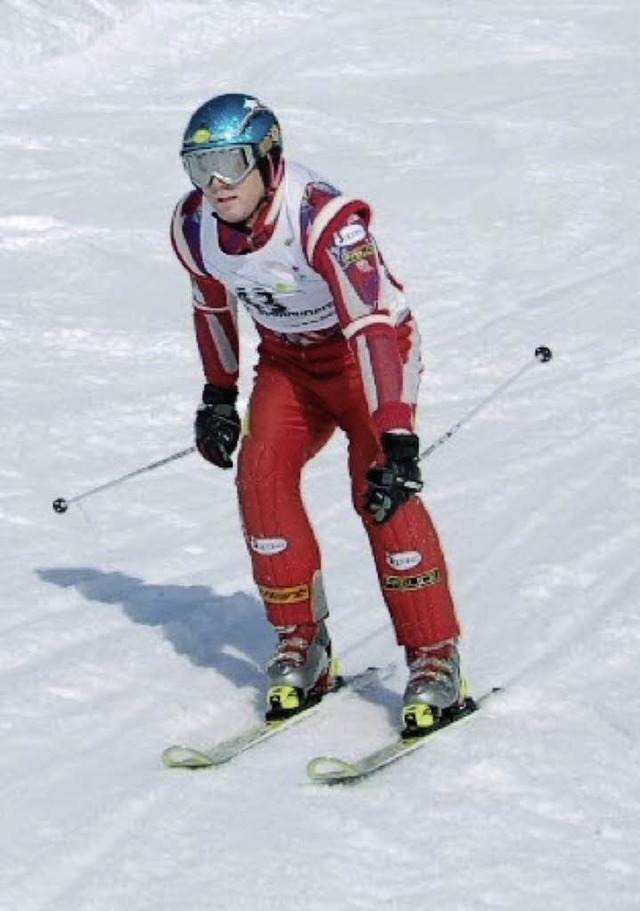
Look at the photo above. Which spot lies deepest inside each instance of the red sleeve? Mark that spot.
(214, 309)
(367, 301)
(215, 319)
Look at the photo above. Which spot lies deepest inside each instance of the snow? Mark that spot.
(498, 142)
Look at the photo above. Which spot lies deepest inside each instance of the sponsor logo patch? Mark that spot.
(349, 235)
(268, 546)
(411, 583)
(407, 559)
(360, 253)
(285, 595)
(203, 135)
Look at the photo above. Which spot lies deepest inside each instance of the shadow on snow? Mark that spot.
(228, 633)
(225, 632)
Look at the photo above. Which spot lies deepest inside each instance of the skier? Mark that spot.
(338, 348)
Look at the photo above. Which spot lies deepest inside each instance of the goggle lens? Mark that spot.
(231, 165)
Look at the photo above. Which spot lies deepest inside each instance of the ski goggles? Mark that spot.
(230, 165)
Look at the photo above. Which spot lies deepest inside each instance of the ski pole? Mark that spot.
(542, 356)
(61, 505)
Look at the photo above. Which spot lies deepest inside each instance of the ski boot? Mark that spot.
(301, 671)
(435, 694)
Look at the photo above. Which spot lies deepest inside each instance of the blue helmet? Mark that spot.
(235, 121)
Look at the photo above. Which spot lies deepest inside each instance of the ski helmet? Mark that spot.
(227, 137)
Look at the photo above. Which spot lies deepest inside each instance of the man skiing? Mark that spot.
(338, 348)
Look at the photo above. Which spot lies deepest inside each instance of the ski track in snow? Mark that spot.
(499, 141)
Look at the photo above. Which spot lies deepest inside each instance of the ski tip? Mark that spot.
(331, 770)
(181, 757)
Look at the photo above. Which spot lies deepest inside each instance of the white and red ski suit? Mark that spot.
(338, 348)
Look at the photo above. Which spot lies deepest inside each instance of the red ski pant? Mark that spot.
(300, 396)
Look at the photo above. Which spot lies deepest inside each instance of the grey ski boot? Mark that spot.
(435, 690)
(300, 672)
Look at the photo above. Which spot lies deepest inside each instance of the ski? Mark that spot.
(186, 757)
(332, 770)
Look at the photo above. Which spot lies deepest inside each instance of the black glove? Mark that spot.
(217, 425)
(398, 479)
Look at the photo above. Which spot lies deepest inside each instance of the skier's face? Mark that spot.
(239, 203)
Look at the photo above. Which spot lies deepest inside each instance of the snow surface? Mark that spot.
(498, 140)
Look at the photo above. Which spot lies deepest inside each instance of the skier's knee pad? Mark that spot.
(413, 576)
(282, 545)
